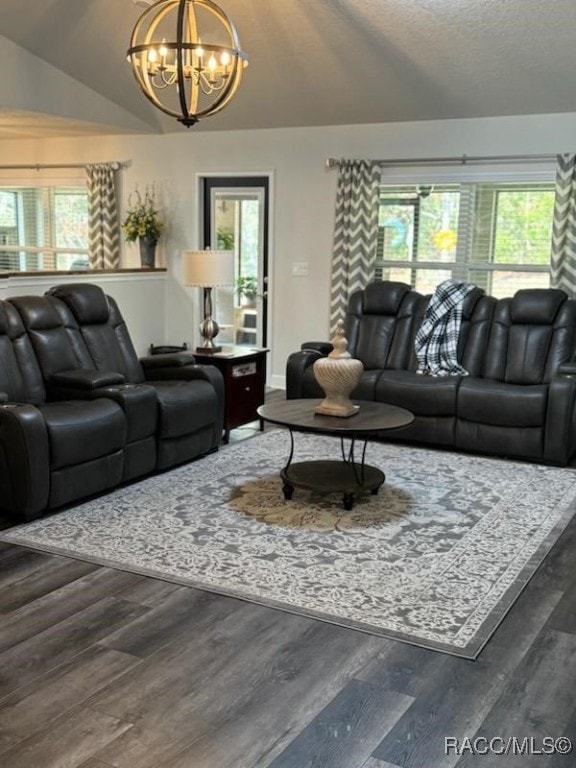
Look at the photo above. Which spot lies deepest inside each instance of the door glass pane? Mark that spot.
(238, 225)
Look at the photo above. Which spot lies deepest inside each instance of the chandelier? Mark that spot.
(186, 57)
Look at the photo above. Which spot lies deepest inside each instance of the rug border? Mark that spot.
(327, 618)
(470, 652)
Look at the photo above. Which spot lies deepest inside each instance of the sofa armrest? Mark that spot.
(560, 429)
(24, 461)
(178, 360)
(567, 369)
(189, 373)
(3, 397)
(296, 365)
(324, 347)
(86, 379)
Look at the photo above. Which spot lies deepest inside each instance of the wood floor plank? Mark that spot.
(372, 762)
(92, 763)
(557, 570)
(36, 705)
(18, 562)
(58, 605)
(68, 743)
(148, 591)
(403, 668)
(459, 694)
(59, 643)
(170, 701)
(180, 666)
(178, 613)
(564, 616)
(539, 703)
(264, 671)
(559, 760)
(42, 581)
(281, 688)
(344, 734)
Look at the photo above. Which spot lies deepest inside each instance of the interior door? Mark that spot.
(236, 218)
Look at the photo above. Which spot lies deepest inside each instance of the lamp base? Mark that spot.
(208, 327)
(208, 350)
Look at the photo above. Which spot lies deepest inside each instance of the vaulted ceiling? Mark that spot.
(312, 63)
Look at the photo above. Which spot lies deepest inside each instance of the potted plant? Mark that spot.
(144, 224)
(225, 239)
(246, 289)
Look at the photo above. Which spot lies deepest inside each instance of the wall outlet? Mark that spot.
(299, 269)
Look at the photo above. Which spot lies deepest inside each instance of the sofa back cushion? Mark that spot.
(477, 312)
(532, 334)
(53, 334)
(101, 328)
(379, 324)
(20, 375)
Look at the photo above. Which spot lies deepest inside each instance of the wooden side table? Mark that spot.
(244, 371)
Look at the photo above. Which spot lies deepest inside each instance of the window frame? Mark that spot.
(47, 184)
(462, 265)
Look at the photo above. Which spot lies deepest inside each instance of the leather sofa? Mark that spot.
(519, 397)
(80, 413)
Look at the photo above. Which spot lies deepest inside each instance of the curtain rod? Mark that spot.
(116, 165)
(333, 162)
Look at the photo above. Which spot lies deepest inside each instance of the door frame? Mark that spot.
(243, 179)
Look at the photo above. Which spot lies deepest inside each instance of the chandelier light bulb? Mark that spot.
(186, 57)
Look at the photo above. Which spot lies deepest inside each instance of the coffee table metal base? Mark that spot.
(345, 477)
(350, 476)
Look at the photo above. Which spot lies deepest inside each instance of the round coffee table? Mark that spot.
(347, 475)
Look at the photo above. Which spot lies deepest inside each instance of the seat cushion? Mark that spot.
(507, 405)
(366, 389)
(184, 407)
(423, 395)
(83, 430)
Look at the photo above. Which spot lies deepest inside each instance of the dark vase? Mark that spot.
(147, 251)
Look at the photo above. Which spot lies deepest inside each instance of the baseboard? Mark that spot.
(277, 382)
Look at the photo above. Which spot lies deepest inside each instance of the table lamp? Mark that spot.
(208, 269)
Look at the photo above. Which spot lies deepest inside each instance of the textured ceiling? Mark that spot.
(321, 62)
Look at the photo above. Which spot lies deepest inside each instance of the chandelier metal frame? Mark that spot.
(206, 76)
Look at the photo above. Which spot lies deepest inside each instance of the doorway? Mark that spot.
(236, 218)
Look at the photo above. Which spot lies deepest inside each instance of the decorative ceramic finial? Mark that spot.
(340, 343)
(338, 374)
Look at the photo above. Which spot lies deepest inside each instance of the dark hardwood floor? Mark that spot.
(105, 669)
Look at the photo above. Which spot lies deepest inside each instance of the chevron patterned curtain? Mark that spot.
(103, 224)
(563, 257)
(355, 232)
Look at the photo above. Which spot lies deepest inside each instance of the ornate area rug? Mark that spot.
(436, 558)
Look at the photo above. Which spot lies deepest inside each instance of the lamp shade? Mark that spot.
(208, 269)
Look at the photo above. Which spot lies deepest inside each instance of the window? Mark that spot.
(43, 228)
(496, 235)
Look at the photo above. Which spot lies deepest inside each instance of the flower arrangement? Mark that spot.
(142, 218)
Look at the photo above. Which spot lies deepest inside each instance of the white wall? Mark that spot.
(303, 198)
(140, 298)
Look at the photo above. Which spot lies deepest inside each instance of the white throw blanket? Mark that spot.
(436, 342)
